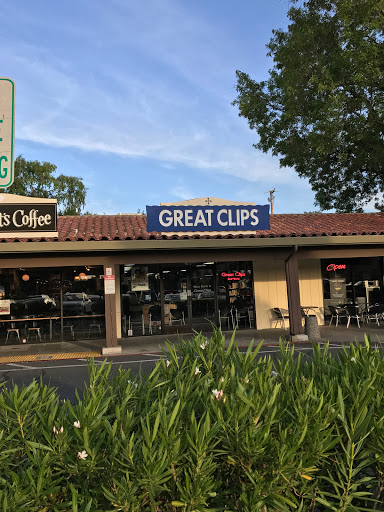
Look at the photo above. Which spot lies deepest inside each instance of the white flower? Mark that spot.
(222, 379)
(274, 374)
(77, 424)
(353, 360)
(203, 345)
(61, 430)
(197, 370)
(55, 431)
(82, 455)
(217, 394)
(167, 362)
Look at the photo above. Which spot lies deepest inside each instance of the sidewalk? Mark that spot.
(152, 344)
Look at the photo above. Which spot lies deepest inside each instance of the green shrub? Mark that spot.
(210, 429)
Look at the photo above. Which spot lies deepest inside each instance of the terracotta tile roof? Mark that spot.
(133, 227)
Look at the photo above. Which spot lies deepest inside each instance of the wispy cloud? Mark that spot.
(182, 191)
(158, 88)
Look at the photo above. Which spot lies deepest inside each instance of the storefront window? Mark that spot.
(51, 304)
(181, 297)
(140, 300)
(175, 279)
(352, 281)
(235, 294)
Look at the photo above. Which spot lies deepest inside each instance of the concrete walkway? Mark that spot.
(150, 344)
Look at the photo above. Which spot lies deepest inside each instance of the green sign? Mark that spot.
(7, 131)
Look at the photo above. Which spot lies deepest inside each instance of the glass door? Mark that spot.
(235, 295)
(175, 281)
(202, 286)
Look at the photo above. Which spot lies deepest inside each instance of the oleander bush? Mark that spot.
(210, 429)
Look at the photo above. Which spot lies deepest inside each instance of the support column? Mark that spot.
(293, 295)
(110, 311)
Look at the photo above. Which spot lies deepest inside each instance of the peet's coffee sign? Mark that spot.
(28, 218)
(207, 218)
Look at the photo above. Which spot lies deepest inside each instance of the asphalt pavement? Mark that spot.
(69, 375)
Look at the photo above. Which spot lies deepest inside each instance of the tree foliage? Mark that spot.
(321, 109)
(39, 179)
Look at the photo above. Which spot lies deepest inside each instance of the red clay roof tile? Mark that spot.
(133, 227)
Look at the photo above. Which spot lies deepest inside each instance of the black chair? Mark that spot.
(241, 315)
(226, 314)
(251, 317)
(337, 312)
(136, 318)
(154, 318)
(374, 312)
(353, 312)
(281, 315)
(176, 317)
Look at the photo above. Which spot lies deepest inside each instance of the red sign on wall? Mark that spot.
(333, 266)
(233, 276)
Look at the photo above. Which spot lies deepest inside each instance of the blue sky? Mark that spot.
(135, 97)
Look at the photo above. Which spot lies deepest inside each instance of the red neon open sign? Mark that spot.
(333, 266)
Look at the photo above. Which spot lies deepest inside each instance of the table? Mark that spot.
(83, 316)
(33, 319)
(307, 309)
(50, 318)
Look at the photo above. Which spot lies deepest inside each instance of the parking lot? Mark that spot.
(71, 374)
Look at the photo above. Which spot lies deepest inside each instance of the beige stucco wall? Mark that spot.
(311, 287)
(271, 290)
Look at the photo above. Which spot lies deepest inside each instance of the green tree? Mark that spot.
(321, 109)
(39, 179)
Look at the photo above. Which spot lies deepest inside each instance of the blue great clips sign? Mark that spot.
(207, 218)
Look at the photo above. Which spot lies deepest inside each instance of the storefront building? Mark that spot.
(107, 276)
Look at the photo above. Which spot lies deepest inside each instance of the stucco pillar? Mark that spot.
(293, 294)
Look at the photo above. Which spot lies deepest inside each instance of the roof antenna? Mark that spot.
(271, 198)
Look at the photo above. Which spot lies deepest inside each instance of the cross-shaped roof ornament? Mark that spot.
(208, 200)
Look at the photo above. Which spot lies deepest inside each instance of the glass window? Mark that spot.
(235, 294)
(32, 301)
(175, 282)
(355, 281)
(181, 297)
(140, 300)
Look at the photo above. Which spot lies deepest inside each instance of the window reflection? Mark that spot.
(180, 297)
(235, 294)
(35, 303)
(352, 282)
(140, 300)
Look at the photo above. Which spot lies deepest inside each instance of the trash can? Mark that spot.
(312, 327)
